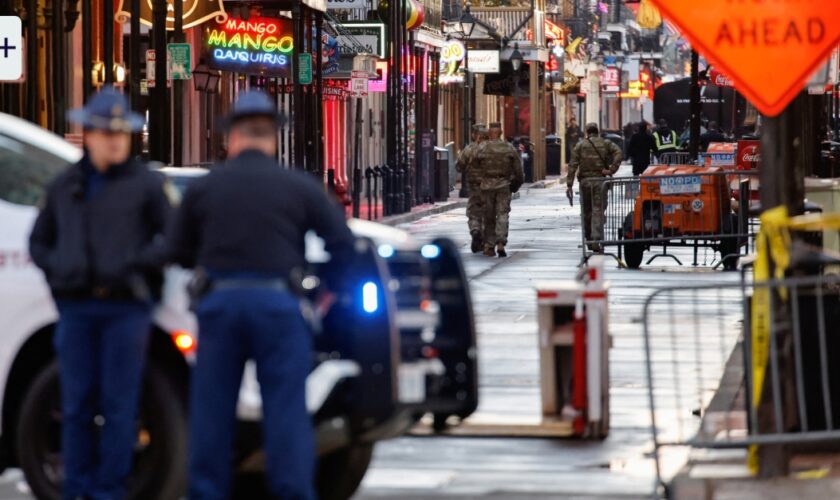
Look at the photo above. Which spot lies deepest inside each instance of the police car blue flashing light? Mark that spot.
(386, 251)
(430, 251)
(370, 297)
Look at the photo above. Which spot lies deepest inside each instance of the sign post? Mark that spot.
(359, 83)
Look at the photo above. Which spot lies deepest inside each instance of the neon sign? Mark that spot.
(260, 45)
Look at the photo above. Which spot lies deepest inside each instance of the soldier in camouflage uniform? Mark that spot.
(501, 175)
(467, 164)
(592, 158)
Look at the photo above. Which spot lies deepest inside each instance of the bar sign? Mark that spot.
(11, 48)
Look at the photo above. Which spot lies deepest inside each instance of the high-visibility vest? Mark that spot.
(666, 143)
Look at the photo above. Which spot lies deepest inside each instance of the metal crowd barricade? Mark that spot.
(699, 347)
(635, 214)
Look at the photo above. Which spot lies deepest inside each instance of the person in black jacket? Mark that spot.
(244, 224)
(712, 134)
(99, 241)
(640, 148)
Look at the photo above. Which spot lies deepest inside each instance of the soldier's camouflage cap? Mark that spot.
(495, 125)
(591, 125)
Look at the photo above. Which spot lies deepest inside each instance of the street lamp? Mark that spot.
(206, 80)
(516, 61)
(516, 58)
(466, 25)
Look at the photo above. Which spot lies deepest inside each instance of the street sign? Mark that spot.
(361, 37)
(359, 83)
(11, 48)
(150, 69)
(304, 69)
(178, 58)
(483, 61)
(610, 78)
(768, 48)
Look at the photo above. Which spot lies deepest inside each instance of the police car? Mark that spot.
(398, 343)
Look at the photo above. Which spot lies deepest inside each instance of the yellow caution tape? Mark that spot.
(773, 243)
(813, 473)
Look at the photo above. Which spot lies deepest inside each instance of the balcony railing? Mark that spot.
(505, 19)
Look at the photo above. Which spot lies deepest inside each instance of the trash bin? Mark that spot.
(553, 155)
(441, 174)
(453, 173)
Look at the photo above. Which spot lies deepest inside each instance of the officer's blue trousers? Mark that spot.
(267, 326)
(101, 347)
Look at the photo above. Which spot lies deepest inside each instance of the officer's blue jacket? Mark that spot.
(103, 232)
(251, 215)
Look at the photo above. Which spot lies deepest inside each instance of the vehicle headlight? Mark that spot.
(385, 251)
(430, 251)
(370, 297)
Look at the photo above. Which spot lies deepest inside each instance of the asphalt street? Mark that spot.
(544, 245)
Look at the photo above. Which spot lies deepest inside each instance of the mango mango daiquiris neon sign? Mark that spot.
(259, 45)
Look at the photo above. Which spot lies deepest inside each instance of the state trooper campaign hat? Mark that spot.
(107, 110)
(253, 104)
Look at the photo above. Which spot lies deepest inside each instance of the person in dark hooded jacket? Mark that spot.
(640, 148)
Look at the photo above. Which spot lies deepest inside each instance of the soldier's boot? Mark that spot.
(490, 251)
(500, 249)
(477, 242)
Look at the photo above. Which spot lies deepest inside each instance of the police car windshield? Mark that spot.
(25, 171)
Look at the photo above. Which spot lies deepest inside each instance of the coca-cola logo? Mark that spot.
(751, 156)
(722, 81)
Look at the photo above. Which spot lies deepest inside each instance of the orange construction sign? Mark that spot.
(768, 47)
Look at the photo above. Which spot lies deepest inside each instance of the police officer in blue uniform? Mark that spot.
(243, 225)
(99, 240)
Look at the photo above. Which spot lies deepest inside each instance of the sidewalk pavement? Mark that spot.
(723, 474)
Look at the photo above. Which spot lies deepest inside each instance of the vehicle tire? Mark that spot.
(634, 254)
(729, 246)
(439, 423)
(159, 462)
(341, 472)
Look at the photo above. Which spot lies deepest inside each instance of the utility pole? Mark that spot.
(695, 106)
(108, 39)
(134, 72)
(178, 94)
(159, 112)
(783, 160)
